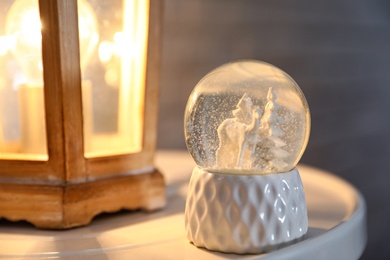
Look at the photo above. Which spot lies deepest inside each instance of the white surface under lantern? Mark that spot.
(247, 124)
(247, 117)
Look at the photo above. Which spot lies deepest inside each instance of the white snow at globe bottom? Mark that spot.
(252, 139)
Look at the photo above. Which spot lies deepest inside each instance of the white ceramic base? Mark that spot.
(245, 213)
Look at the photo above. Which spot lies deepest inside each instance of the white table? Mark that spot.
(337, 226)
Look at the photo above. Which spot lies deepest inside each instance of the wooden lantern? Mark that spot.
(78, 109)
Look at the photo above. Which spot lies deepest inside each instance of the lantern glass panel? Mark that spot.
(113, 46)
(22, 117)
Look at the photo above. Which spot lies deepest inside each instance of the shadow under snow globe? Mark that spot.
(247, 124)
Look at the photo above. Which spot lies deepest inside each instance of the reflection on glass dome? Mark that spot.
(247, 117)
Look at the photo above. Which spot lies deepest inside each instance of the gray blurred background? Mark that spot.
(339, 53)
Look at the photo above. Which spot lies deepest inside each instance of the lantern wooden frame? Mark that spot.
(68, 190)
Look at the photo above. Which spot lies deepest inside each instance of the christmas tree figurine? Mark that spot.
(272, 152)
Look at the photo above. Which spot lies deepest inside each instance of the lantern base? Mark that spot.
(73, 205)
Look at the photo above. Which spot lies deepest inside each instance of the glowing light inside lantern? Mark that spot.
(23, 40)
(119, 64)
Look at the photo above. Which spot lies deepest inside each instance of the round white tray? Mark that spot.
(336, 210)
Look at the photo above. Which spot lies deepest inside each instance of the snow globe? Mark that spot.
(247, 124)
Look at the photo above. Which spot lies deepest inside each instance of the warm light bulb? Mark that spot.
(23, 24)
(6, 42)
(105, 51)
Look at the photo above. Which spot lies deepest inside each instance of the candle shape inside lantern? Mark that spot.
(247, 124)
(24, 26)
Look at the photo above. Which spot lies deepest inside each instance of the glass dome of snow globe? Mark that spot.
(247, 117)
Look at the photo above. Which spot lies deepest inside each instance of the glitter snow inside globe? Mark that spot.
(247, 124)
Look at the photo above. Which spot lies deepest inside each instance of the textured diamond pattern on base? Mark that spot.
(245, 213)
